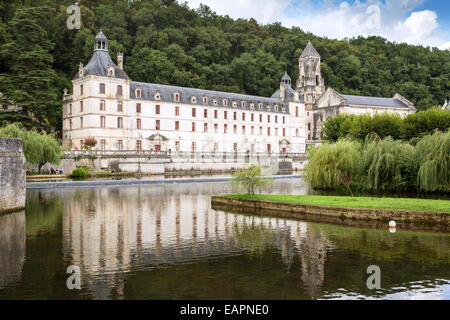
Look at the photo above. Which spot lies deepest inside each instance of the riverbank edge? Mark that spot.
(130, 182)
(295, 210)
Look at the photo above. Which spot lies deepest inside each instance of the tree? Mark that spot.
(333, 164)
(37, 148)
(29, 80)
(331, 130)
(249, 179)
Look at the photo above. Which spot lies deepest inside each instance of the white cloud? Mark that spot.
(395, 20)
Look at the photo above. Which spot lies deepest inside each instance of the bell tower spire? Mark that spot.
(310, 84)
(100, 42)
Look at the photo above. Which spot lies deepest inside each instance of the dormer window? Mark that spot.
(276, 107)
(215, 101)
(252, 106)
(194, 100)
(269, 108)
(110, 72)
(283, 109)
(205, 100)
(260, 106)
(157, 96)
(138, 93)
(225, 102)
(234, 104)
(243, 104)
(176, 96)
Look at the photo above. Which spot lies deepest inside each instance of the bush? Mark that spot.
(78, 173)
(249, 179)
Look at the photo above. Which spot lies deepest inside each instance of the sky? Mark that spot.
(418, 22)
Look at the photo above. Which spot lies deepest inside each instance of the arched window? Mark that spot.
(138, 93)
(177, 97)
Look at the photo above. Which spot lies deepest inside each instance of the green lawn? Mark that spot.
(356, 202)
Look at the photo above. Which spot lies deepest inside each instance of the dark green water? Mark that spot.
(165, 242)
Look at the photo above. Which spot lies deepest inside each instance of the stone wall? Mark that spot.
(12, 175)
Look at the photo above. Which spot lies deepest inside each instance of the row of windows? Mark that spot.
(194, 112)
(119, 146)
(193, 128)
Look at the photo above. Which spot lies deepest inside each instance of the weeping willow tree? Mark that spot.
(333, 164)
(387, 164)
(37, 148)
(432, 156)
(249, 179)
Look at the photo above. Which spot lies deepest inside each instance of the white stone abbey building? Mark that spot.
(122, 114)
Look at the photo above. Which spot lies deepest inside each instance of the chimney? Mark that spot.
(120, 60)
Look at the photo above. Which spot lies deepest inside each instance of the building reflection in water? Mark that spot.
(108, 232)
(12, 247)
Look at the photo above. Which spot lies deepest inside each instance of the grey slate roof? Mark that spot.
(98, 65)
(309, 51)
(290, 95)
(166, 92)
(373, 101)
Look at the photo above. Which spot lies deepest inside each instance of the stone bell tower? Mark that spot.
(310, 84)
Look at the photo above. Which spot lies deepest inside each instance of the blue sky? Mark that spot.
(422, 22)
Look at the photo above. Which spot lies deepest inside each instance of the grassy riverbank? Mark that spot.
(413, 204)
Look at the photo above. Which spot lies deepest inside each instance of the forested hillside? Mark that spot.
(166, 42)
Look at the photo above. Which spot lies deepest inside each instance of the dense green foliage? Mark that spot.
(37, 148)
(414, 126)
(249, 179)
(418, 204)
(78, 173)
(334, 164)
(166, 42)
(382, 164)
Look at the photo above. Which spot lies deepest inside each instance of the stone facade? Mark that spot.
(126, 115)
(12, 175)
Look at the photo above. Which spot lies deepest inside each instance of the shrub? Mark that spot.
(249, 179)
(79, 173)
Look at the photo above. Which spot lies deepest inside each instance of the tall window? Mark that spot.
(157, 109)
(235, 129)
(260, 118)
(215, 114)
(138, 124)
(158, 125)
(225, 115)
(120, 122)
(81, 122)
(268, 131)
(276, 131)
(252, 130)
(205, 113)
(177, 125)
(70, 124)
(193, 126)
(81, 106)
(234, 115)
(81, 90)
(102, 122)
(296, 132)
(284, 132)
(269, 149)
(119, 106)
(193, 147)
(70, 108)
(309, 126)
(138, 145)
(243, 129)
(216, 128)
(102, 144)
(284, 119)
(194, 112)
(296, 111)
(260, 131)
(243, 116)
(268, 118)
(102, 88)
(276, 119)
(119, 145)
(235, 147)
(102, 105)
(138, 108)
(177, 111)
(119, 90)
(205, 127)
(225, 128)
